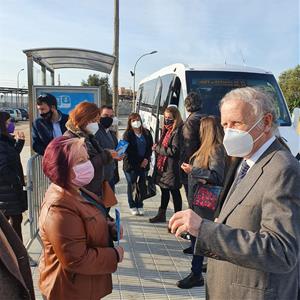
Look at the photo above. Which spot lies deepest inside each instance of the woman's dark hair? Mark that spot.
(4, 116)
(49, 99)
(134, 117)
(193, 102)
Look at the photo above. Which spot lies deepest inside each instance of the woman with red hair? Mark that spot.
(78, 255)
(83, 123)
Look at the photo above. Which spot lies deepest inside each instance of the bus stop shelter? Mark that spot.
(51, 59)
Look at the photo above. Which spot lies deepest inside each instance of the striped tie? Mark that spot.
(244, 169)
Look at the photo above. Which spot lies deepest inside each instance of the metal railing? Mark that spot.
(37, 185)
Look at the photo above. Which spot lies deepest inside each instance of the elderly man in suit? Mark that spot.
(253, 246)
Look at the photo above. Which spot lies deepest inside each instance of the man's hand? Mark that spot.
(185, 221)
(144, 163)
(187, 168)
(154, 147)
(114, 153)
(119, 158)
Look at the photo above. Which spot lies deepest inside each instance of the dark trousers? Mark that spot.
(165, 198)
(197, 260)
(16, 223)
(131, 178)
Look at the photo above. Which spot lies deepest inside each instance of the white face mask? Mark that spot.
(136, 124)
(92, 128)
(239, 143)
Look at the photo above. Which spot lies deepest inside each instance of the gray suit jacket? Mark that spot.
(254, 246)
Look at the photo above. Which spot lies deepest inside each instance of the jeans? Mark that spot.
(131, 178)
(197, 260)
(165, 197)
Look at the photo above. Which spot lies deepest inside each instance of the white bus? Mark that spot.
(170, 86)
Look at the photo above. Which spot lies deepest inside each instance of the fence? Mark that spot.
(37, 184)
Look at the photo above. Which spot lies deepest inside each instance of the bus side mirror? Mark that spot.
(296, 119)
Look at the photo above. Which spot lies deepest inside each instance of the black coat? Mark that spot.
(12, 198)
(190, 140)
(107, 140)
(20, 273)
(169, 178)
(132, 160)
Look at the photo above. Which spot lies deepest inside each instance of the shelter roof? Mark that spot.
(60, 58)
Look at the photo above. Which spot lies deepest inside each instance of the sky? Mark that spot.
(263, 33)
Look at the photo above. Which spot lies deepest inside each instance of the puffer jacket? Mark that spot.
(98, 156)
(12, 198)
(77, 260)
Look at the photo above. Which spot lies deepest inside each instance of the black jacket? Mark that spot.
(190, 140)
(132, 160)
(12, 199)
(107, 140)
(19, 272)
(169, 178)
(42, 132)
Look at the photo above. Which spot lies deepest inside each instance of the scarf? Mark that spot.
(164, 142)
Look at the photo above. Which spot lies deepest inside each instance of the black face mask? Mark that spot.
(47, 115)
(106, 121)
(168, 122)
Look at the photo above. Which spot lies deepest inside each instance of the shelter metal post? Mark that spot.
(52, 77)
(44, 79)
(30, 98)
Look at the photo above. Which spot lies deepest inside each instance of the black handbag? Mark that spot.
(145, 188)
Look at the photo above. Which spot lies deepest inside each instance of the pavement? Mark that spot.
(153, 259)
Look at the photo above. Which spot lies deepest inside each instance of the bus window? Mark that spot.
(147, 97)
(175, 92)
(213, 85)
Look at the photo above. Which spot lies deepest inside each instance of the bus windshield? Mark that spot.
(213, 85)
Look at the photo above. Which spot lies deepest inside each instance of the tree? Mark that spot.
(289, 82)
(103, 83)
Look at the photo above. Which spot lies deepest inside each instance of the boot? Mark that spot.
(190, 281)
(160, 217)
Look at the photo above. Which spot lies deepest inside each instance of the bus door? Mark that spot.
(175, 92)
(155, 119)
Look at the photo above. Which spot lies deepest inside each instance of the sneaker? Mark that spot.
(134, 211)
(190, 281)
(141, 211)
(188, 251)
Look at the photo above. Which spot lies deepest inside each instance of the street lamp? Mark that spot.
(133, 74)
(17, 95)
